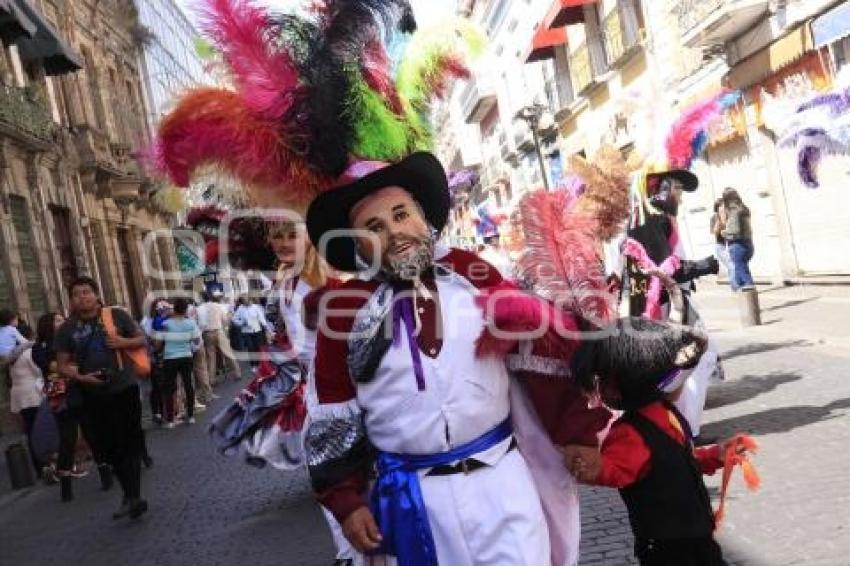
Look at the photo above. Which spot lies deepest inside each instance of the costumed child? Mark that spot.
(648, 454)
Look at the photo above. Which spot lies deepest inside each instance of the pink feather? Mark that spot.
(518, 315)
(377, 74)
(266, 76)
(561, 260)
(694, 119)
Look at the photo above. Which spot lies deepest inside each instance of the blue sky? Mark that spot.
(427, 11)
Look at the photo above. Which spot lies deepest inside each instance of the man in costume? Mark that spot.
(397, 373)
(656, 280)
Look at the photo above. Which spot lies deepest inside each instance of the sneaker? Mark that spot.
(138, 507)
(157, 419)
(170, 424)
(199, 407)
(190, 420)
(78, 472)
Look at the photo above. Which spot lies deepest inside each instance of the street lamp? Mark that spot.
(531, 115)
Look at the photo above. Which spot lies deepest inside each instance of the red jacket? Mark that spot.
(626, 457)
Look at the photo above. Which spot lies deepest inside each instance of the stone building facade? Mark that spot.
(73, 197)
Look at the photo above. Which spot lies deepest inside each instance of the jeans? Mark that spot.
(721, 252)
(741, 252)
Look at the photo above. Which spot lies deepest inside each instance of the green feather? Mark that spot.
(380, 133)
(428, 49)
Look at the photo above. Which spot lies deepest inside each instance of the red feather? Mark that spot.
(266, 76)
(447, 67)
(561, 259)
(215, 126)
(377, 74)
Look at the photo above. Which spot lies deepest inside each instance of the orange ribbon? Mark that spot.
(736, 455)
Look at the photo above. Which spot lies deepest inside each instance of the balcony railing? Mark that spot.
(477, 99)
(622, 35)
(22, 111)
(692, 13)
(710, 22)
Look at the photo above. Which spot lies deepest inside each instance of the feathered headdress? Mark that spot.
(688, 135)
(819, 125)
(310, 93)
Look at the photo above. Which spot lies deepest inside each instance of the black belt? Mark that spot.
(464, 466)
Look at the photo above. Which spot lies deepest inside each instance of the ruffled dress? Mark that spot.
(265, 422)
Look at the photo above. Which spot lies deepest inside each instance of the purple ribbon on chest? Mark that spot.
(403, 316)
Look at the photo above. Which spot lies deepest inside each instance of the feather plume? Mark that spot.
(335, 54)
(682, 140)
(561, 260)
(215, 126)
(266, 76)
(512, 315)
(380, 133)
(170, 199)
(433, 57)
(605, 196)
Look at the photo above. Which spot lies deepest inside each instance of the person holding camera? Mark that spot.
(89, 354)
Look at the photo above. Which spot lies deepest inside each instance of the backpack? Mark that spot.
(136, 358)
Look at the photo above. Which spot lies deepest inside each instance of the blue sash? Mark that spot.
(396, 499)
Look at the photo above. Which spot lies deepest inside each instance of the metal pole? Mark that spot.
(533, 127)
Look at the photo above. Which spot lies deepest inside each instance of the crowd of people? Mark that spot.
(76, 371)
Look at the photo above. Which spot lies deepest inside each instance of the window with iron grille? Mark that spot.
(64, 246)
(33, 273)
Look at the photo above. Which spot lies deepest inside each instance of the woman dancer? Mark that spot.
(265, 423)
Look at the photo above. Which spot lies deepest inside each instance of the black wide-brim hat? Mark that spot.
(689, 181)
(420, 174)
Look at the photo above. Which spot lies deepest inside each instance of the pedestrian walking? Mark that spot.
(27, 390)
(179, 335)
(213, 320)
(65, 398)
(91, 356)
(250, 317)
(150, 325)
(737, 231)
(721, 249)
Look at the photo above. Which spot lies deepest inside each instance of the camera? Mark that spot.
(106, 375)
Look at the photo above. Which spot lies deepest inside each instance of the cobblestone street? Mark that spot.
(786, 385)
